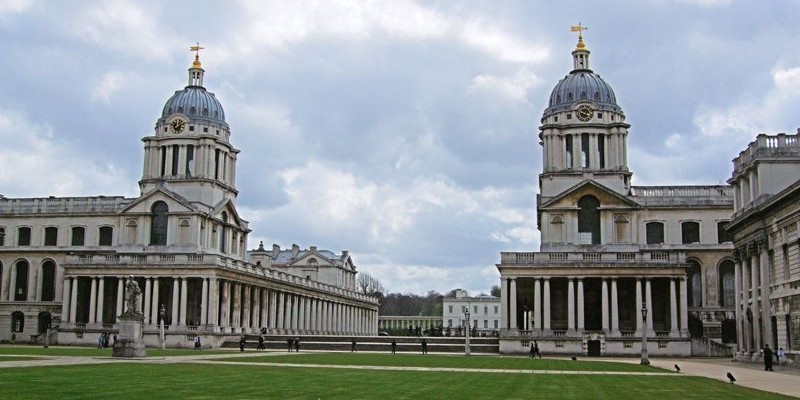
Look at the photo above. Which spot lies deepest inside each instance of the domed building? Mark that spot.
(612, 252)
(64, 262)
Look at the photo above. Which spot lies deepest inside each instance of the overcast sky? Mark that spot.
(403, 131)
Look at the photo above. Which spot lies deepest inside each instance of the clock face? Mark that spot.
(584, 113)
(177, 125)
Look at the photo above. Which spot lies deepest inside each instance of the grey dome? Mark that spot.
(195, 103)
(582, 85)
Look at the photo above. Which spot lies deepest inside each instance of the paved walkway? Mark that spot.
(786, 382)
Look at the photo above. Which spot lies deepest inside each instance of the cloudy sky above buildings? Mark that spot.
(403, 131)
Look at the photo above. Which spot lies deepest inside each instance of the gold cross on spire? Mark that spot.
(196, 49)
(579, 28)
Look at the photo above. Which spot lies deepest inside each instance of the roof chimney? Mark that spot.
(295, 250)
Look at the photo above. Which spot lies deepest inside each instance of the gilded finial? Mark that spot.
(196, 49)
(579, 28)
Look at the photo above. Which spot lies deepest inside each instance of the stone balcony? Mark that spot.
(659, 258)
(56, 205)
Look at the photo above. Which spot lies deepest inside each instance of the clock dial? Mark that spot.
(584, 113)
(177, 125)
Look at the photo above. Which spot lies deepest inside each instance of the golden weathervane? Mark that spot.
(196, 49)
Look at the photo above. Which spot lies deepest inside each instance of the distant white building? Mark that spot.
(484, 311)
(318, 265)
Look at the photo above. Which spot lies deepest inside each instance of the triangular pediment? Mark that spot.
(227, 206)
(302, 261)
(144, 204)
(607, 197)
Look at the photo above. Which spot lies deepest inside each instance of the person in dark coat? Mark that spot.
(424, 346)
(289, 342)
(260, 342)
(353, 346)
(242, 342)
(535, 350)
(297, 345)
(767, 358)
(394, 346)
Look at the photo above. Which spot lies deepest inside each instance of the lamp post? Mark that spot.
(162, 312)
(645, 360)
(466, 342)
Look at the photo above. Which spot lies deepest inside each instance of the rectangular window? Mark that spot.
(450, 323)
(475, 309)
(51, 236)
(216, 164)
(601, 150)
(485, 323)
(722, 233)
(690, 232)
(655, 233)
(569, 115)
(450, 309)
(495, 310)
(190, 160)
(23, 236)
(105, 235)
(2, 236)
(163, 160)
(486, 309)
(175, 155)
(78, 235)
(568, 151)
(585, 150)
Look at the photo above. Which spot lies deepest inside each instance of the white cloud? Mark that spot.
(501, 45)
(110, 83)
(515, 88)
(49, 167)
(10, 7)
(707, 3)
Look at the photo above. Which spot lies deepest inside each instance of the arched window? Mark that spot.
(690, 232)
(17, 321)
(21, 282)
(51, 236)
(655, 232)
(105, 235)
(223, 236)
(158, 224)
(695, 284)
(589, 220)
(45, 319)
(48, 281)
(78, 235)
(727, 280)
(23, 236)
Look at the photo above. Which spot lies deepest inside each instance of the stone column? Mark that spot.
(273, 324)
(213, 300)
(93, 301)
(147, 294)
(12, 282)
(225, 309)
(120, 291)
(176, 291)
(246, 308)
(756, 304)
(101, 290)
(73, 304)
(295, 311)
(537, 304)
(684, 309)
(184, 295)
(747, 342)
(580, 305)
(604, 304)
(649, 300)
(738, 304)
(614, 308)
(673, 307)
(504, 323)
(155, 307)
(637, 315)
(546, 311)
(236, 318)
(281, 312)
(204, 302)
(306, 313)
(513, 308)
(323, 317)
(766, 312)
(65, 301)
(571, 305)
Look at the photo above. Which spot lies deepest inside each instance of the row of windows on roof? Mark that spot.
(474, 309)
(475, 323)
(570, 97)
(77, 236)
(193, 111)
(690, 232)
(191, 129)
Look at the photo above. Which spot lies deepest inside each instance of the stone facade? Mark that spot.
(484, 312)
(63, 260)
(608, 248)
(765, 226)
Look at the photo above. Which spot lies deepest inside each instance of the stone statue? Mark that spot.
(132, 293)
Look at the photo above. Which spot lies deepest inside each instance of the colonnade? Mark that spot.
(539, 318)
(226, 306)
(402, 322)
(753, 314)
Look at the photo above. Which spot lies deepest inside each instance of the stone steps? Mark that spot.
(372, 343)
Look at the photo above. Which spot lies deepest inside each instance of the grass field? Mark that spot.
(211, 380)
(95, 352)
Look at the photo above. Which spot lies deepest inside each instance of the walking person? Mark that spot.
(242, 342)
(767, 358)
(424, 346)
(779, 355)
(353, 346)
(197, 344)
(394, 346)
(289, 343)
(260, 342)
(535, 350)
(297, 345)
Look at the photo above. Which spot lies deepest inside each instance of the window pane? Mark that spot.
(655, 233)
(690, 232)
(78, 236)
(24, 236)
(722, 234)
(106, 233)
(50, 236)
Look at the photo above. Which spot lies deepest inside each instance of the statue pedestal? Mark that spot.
(129, 341)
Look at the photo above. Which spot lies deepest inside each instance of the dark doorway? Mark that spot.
(729, 331)
(593, 347)
(592, 304)
(44, 321)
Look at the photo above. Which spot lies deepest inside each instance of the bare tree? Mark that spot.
(369, 285)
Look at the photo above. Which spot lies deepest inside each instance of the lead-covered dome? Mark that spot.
(196, 103)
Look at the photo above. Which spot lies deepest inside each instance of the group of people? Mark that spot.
(261, 343)
(103, 340)
(293, 343)
(768, 353)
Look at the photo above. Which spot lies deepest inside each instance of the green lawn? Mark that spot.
(204, 381)
(455, 361)
(16, 358)
(95, 352)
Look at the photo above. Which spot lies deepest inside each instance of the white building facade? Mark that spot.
(484, 312)
(609, 249)
(64, 261)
